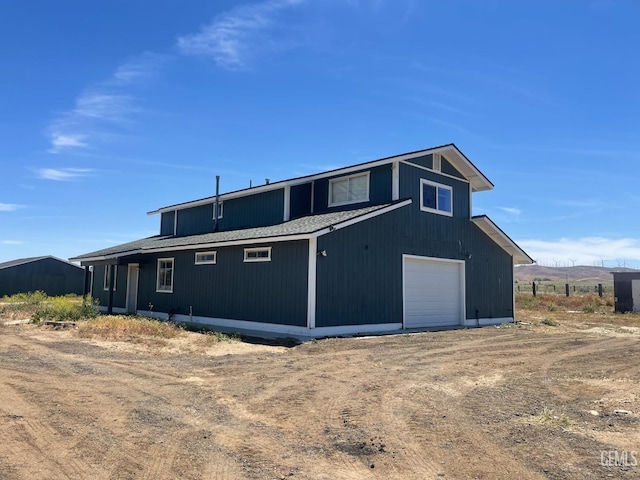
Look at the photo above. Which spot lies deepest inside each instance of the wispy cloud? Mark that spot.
(9, 207)
(513, 213)
(139, 68)
(585, 251)
(11, 242)
(63, 174)
(230, 38)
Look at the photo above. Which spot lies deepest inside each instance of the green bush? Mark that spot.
(30, 298)
(590, 307)
(65, 309)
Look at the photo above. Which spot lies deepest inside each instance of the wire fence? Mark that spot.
(563, 288)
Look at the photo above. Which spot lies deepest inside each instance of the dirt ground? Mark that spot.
(529, 402)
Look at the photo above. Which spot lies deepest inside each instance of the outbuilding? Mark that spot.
(47, 274)
(626, 290)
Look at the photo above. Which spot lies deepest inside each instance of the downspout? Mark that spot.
(217, 206)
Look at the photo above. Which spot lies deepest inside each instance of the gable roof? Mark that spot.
(22, 261)
(458, 159)
(485, 224)
(297, 229)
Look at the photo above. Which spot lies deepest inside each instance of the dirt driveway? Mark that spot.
(491, 403)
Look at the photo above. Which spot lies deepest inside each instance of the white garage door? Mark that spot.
(433, 292)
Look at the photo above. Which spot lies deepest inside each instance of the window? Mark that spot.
(220, 209)
(203, 258)
(436, 198)
(262, 254)
(352, 189)
(107, 276)
(164, 283)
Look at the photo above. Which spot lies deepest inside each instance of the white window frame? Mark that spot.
(438, 186)
(220, 208)
(348, 178)
(105, 282)
(173, 272)
(206, 262)
(257, 259)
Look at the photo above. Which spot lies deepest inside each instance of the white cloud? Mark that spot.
(60, 141)
(584, 251)
(138, 68)
(62, 174)
(230, 37)
(514, 213)
(11, 242)
(9, 207)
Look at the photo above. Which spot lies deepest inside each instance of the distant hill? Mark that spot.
(577, 274)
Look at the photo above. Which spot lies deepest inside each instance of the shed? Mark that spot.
(47, 274)
(626, 290)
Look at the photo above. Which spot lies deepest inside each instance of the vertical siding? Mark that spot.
(360, 279)
(424, 161)
(258, 210)
(273, 292)
(300, 200)
(48, 275)
(166, 223)
(379, 190)
(119, 294)
(446, 167)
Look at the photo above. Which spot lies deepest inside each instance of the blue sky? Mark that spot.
(110, 109)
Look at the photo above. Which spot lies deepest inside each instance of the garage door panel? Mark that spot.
(433, 293)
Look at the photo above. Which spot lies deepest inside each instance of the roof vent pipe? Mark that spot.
(266, 181)
(216, 208)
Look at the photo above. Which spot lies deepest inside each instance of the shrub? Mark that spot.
(550, 321)
(65, 309)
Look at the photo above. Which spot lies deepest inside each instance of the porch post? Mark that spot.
(111, 282)
(85, 284)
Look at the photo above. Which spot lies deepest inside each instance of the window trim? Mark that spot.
(173, 263)
(220, 207)
(206, 262)
(105, 283)
(348, 178)
(258, 259)
(438, 186)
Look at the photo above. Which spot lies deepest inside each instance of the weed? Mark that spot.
(552, 307)
(549, 416)
(590, 307)
(123, 327)
(64, 308)
(550, 321)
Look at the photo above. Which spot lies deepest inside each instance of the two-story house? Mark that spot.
(382, 246)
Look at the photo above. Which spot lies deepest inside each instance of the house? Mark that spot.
(626, 291)
(382, 246)
(47, 274)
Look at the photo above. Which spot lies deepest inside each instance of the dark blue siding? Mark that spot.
(360, 279)
(48, 275)
(272, 292)
(447, 168)
(195, 220)
(167, 223)
(258, 210)
(379, 190)
(119, 294)
(300, 199)
(425, 161)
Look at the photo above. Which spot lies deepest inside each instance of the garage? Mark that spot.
(433, 292)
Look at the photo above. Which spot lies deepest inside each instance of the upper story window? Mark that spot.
(260, 254)
(107, 276)
(164, 279)
(220, 209)
(436, 198)
(351, 189)
(203, 258)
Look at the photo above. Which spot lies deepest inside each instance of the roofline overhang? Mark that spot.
(248, 241)
(520, 257)
(478, 181)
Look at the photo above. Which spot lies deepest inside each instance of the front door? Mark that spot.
(132, 287)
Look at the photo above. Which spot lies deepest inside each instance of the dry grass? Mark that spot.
(553, 417)
(123, 327)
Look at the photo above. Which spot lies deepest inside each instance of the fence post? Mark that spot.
(566, 289)
(600, 290)
(533, 288)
